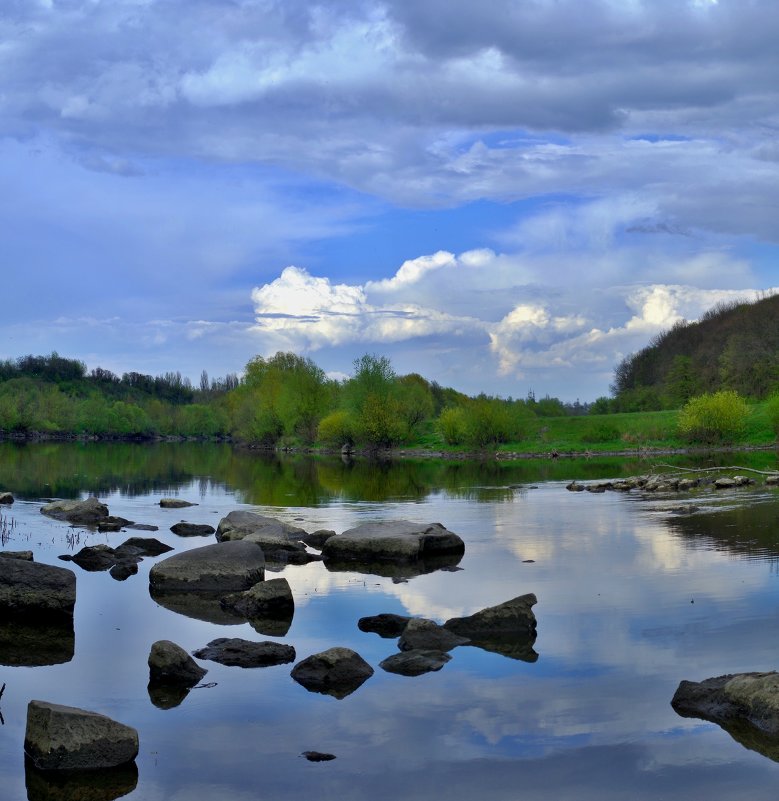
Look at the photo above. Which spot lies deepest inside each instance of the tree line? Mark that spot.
(282, 401)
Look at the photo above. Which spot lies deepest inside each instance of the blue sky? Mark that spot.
(502, 196)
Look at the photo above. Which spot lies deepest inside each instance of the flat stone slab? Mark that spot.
(33, 587)
(67, 738)
(415, 663)
(337, 672)
(753, 697)
(392, 541)
(239, 524)
(245, 653)
(224, 566)
(88, 512)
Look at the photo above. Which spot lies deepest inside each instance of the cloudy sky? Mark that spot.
(502, 196)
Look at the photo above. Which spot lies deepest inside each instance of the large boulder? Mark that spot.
(66, 738)
(393, 541)
(35, 588)
(171, 664)
(427, 635)
(751, 697)
(237, 525)
(245, 653)
(337, 672)
(222, 567)
(85, 513)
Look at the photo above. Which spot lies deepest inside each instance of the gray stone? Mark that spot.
(224, 566)
(142, 527)
(509, 618)
(66, 738)
(25, 555)
(753, 697)
(93, 557)
(427, 635)
(85, 513)
(394, 541)
(192, 529)
(337, 672)
(688, 483)
(237, 525)
(265, 599)
(316, 539)
(121, 571)
(244, 653)
(386, 625)
(33, 587)
(415, 663)
(725, 483)
(142, 546)
(171, 664)
(773, 479)
(6, 498)
(175, 503)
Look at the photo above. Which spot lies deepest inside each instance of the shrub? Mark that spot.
(451, 424)
(600, 432)
(336, 429)
(718, 417)
(772, 410)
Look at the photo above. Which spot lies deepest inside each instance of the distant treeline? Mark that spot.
(285, 400)
(734, 346)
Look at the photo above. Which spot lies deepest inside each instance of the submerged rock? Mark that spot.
(337, 672)
(66, 738)
(318, 756)
(143, 546)
(224, 566)
(386, 625)
(85, 513)
(35, 588)
(244, 653)
(171, 664)
(394, 541)
(415, 663)
(192, 529)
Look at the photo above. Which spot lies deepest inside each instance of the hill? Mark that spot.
(733, 346)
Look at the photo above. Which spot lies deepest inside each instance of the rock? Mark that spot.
(743, 481)
(415, 663)
(753, 697)
(265, 599)
(24, 555)
(426, 635)
(79, 785)
(171, 664)
(574, 487)
(772, 479)
(725, 483)
(224, 566)
(511, 617)
(237, 525)
(142, 527)
(386, 625)
(6, 498)
(394, 541)
(316, 539)
(317, 756)
(93, 558)
(66, 738)
(244, 653)
(142, 546)
(337, 672)
(86, 513)
(113, 523)
(35, 588)
(688, 483)
(508, 628)
(121, 571)
(175, 503)
(192, 529)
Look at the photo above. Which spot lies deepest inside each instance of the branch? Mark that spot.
(711, 469)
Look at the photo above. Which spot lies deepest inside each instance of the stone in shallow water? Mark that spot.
(171, 664)
(427, 635)
(32, 587)
(415, 663)
(88, 512)
(192, 529)
(386, 624)
(245, 653)
(175, 503)
(337, 672)
(66, 738)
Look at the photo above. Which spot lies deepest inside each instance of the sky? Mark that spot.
(507, 196)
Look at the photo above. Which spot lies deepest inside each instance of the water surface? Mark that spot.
(634, 593)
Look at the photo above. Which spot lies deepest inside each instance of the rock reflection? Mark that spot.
(79, 785)
(514, 647)
(204, 606)
(404, 570)
(167, 696)
(36, 640)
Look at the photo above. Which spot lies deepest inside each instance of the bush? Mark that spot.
(600, 432)
(451, 425)
(337, 429)
(772, 410)
(713, 418)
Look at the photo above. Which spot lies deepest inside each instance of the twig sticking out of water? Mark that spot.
(2, 690)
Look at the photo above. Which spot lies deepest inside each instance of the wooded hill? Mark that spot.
(733, 346)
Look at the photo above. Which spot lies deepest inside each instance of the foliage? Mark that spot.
(718, 417)
(772, 412)
(337, 429)
(451, 425)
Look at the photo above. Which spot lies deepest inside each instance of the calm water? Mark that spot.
(634, 594)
